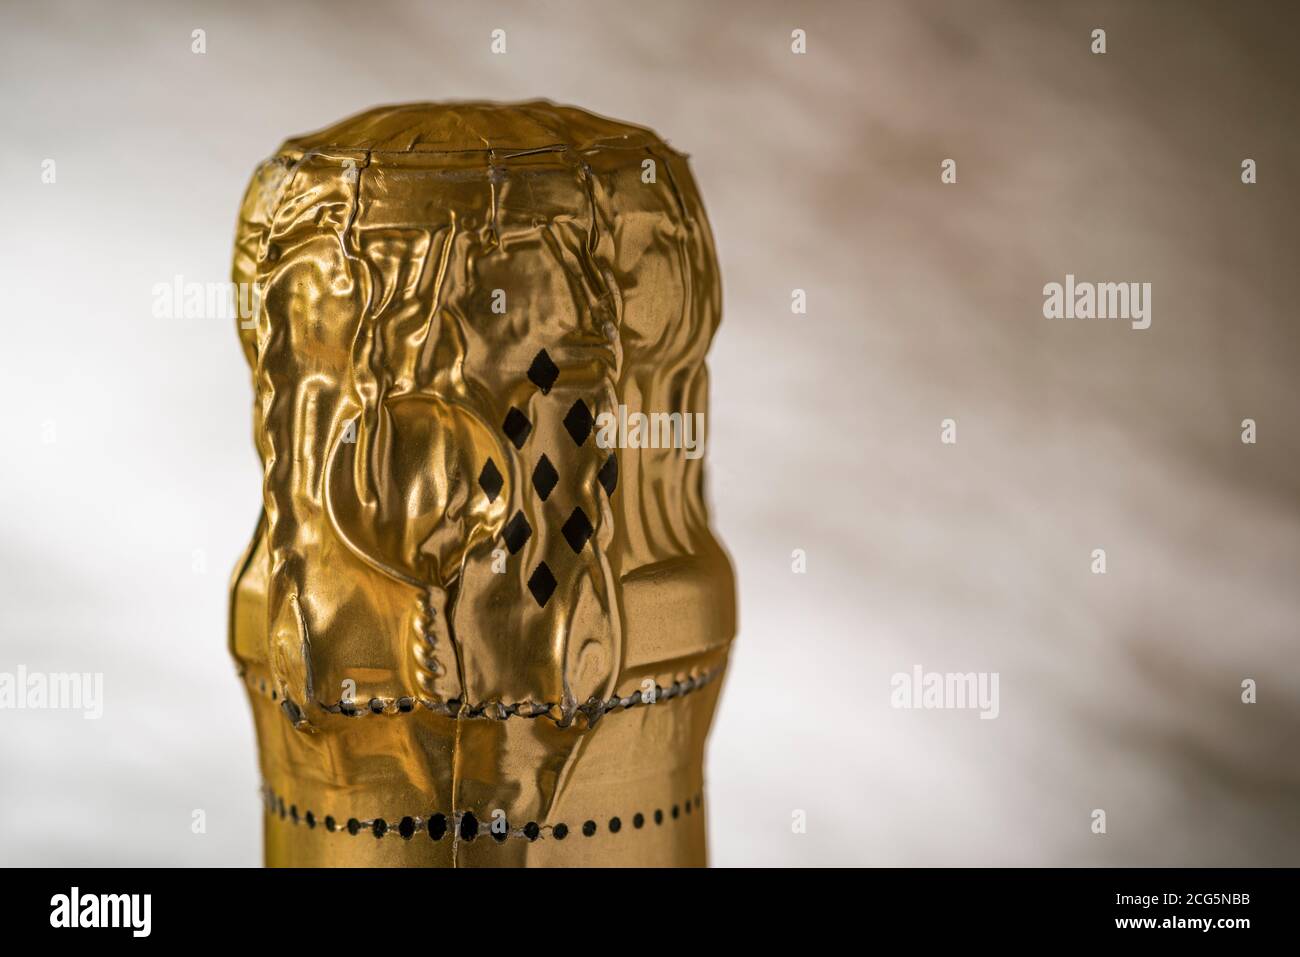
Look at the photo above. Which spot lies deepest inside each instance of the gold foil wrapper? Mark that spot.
(471, 634)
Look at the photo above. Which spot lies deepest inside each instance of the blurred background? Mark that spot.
(130, 484)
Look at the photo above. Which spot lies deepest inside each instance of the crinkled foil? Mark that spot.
(471, 634)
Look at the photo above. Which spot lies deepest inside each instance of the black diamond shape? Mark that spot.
(543, 372)
(542, 584)
(516, 532)
(578, 422)
(608, 474)
(516, 427)
(544, 477)
(490, 480)
(577, 530)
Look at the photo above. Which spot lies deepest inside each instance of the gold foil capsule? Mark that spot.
(482, 620)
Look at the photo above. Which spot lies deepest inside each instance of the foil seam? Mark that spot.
(496, 710)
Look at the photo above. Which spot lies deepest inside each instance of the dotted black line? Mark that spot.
(465, 823)
(594, 709)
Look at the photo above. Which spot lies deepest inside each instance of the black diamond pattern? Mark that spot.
(490, 480)
(578, 422)
(544, 477)
(542, 584)
(577, 530)
(608, 474)
(516, 427)
(543, 372)
(516, 532)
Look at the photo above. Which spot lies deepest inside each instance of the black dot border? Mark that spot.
(466, 824)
